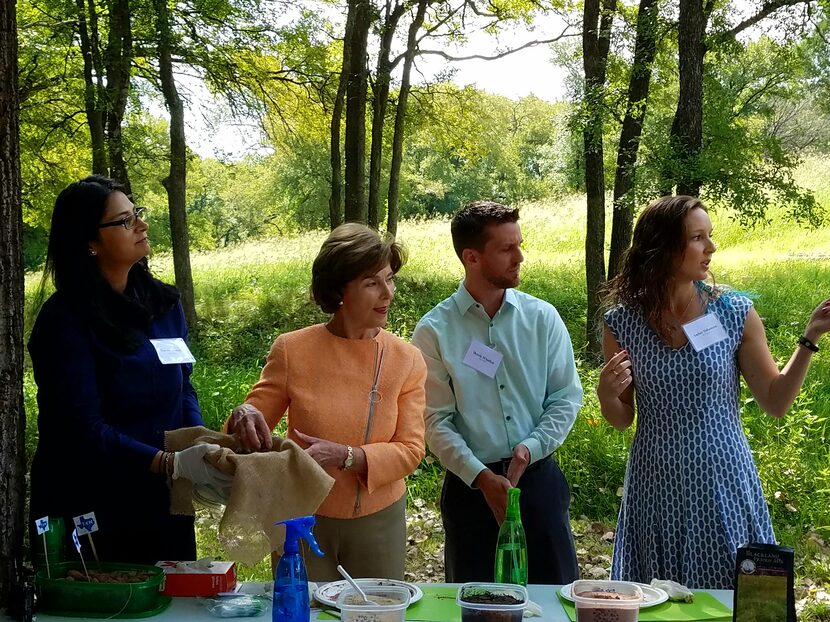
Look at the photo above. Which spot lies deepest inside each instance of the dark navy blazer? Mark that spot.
(102, 418)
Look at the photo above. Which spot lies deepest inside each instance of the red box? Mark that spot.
(181, 579)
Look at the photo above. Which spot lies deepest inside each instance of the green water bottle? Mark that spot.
(511, 549)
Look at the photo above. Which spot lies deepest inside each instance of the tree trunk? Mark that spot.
(380, 98)
(12, 416)
(356, 87)
(118, 66)
(394, 193)
(93, 94)
(176, 182)
(336, 197)
(687, 127)
(596, 38)
(645, 47)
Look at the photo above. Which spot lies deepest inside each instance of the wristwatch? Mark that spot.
(347, 463)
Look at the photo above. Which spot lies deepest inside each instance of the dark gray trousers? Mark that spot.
(472, 531)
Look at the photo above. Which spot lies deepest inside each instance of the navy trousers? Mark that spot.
(472, 531)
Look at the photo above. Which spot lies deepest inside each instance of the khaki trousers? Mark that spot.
(367, 546)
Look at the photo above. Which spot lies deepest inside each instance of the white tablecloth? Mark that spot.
(190, 610)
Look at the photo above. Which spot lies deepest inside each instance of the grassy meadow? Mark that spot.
(247, 295)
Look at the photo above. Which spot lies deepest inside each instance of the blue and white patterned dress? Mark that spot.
(692, 493)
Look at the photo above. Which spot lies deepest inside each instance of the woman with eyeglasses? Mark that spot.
(113, 374)
(354, 394)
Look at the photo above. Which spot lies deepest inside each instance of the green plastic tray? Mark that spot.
(77, 598)
(164, 603)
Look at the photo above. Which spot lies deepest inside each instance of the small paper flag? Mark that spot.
(42, 525)
(86, 524)
(76, 541)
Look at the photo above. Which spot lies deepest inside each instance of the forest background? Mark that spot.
(723, 99)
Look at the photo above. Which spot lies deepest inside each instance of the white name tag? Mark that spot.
(172, 351)
(704, 331)
(483, 359)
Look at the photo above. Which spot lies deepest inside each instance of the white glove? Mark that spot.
(676, 591)
(190, 464)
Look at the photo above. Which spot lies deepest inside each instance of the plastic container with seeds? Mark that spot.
(492, 602)
(138, 594)
(606, 601)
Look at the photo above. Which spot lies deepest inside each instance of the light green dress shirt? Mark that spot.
(472, 419)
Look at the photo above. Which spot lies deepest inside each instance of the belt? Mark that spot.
(501, 466)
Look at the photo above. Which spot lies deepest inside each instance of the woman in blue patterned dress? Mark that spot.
(692, 493)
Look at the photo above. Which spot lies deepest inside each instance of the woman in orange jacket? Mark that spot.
(354, 394)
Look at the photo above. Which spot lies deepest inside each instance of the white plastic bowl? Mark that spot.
(371, 612)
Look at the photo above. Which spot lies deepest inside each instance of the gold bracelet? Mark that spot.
(167, 455)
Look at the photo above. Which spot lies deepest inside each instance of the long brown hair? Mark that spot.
(647, 267)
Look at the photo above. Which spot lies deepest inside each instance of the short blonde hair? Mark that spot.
(351, 251)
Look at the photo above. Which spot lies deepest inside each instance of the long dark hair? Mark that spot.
(646, 269)
(116, 318)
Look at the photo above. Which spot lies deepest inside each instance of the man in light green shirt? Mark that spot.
(502, 394)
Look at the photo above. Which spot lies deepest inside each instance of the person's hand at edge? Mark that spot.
(325, 453)
(518, 464)
(190, 464)
(494, 488)
(615, 377)
(250, 428)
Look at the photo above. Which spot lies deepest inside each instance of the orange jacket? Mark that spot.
(325, 382)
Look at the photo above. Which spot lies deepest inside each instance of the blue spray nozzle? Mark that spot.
(296, 528)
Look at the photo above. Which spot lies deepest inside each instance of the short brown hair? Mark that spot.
(351, 251)
(469, 225)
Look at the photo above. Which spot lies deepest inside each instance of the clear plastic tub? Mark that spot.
(391, 605)
(479, 602)
(606, 601)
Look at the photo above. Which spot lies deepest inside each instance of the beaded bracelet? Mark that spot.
(807, 344)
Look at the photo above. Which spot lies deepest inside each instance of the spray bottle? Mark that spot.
(291, 602)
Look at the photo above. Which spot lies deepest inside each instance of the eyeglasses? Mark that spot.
(128, 222)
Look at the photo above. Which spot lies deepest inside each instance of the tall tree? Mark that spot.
(596, 41)
(94, 92)
(394, 192)
(645, 48)
(687, 127)
(176, 181)
(12, 416)
(380, 99)
(107, 79)
(335, 159)
(118, 61)
(357, 80)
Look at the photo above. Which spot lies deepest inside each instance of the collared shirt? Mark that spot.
(472, 419)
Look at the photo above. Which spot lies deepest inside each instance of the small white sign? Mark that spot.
(172, 351)
(86, 523)
(704, 331)
(76, 540)
(42, 525)
(483, 359)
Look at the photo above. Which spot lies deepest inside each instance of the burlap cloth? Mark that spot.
(267, 487)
